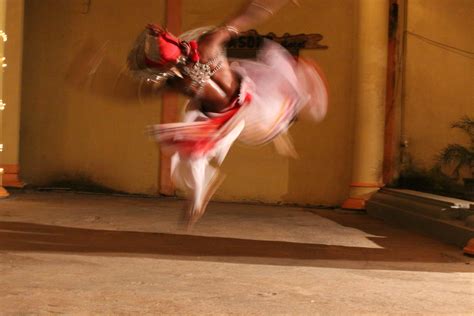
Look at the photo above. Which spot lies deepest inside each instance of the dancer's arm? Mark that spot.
(254, 13)
(224, 84)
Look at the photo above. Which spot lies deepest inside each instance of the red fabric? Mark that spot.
(169, 48)
(194, 54)
(195, 139)
(248, 98)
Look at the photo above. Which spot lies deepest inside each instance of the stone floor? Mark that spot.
(63, 252)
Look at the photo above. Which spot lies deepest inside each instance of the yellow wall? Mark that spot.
(439, 82)
(94, 133)
(73, 128)
(322, 174)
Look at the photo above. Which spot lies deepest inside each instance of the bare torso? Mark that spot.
(220, 90)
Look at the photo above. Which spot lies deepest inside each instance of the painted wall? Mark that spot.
(439, 81)
(72, 128)
(76, 126)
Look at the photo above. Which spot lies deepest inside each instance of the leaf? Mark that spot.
(466, 124)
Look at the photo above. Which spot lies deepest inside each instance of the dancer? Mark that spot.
(250, 101)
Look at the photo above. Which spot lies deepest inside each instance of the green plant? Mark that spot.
(459, 155)
(431, 180)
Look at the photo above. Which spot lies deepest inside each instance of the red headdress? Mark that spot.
(156, 52)
(165, 48)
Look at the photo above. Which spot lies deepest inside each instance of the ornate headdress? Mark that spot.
(157, 53)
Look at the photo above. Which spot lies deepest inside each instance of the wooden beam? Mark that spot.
(392, 101)
(170, 101)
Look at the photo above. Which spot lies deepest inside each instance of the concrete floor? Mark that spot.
(90, 254)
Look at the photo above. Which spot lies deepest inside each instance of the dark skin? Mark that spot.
(212, 100)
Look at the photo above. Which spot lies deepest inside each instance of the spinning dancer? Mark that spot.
(250, 101)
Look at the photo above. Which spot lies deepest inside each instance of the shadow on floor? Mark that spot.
(18, 236)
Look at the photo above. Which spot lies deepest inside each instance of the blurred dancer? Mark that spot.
(251, 101)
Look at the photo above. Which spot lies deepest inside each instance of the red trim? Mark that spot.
(469, 249)
(11, 176)
(354, 203)
(197, 138)
(11, 168)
